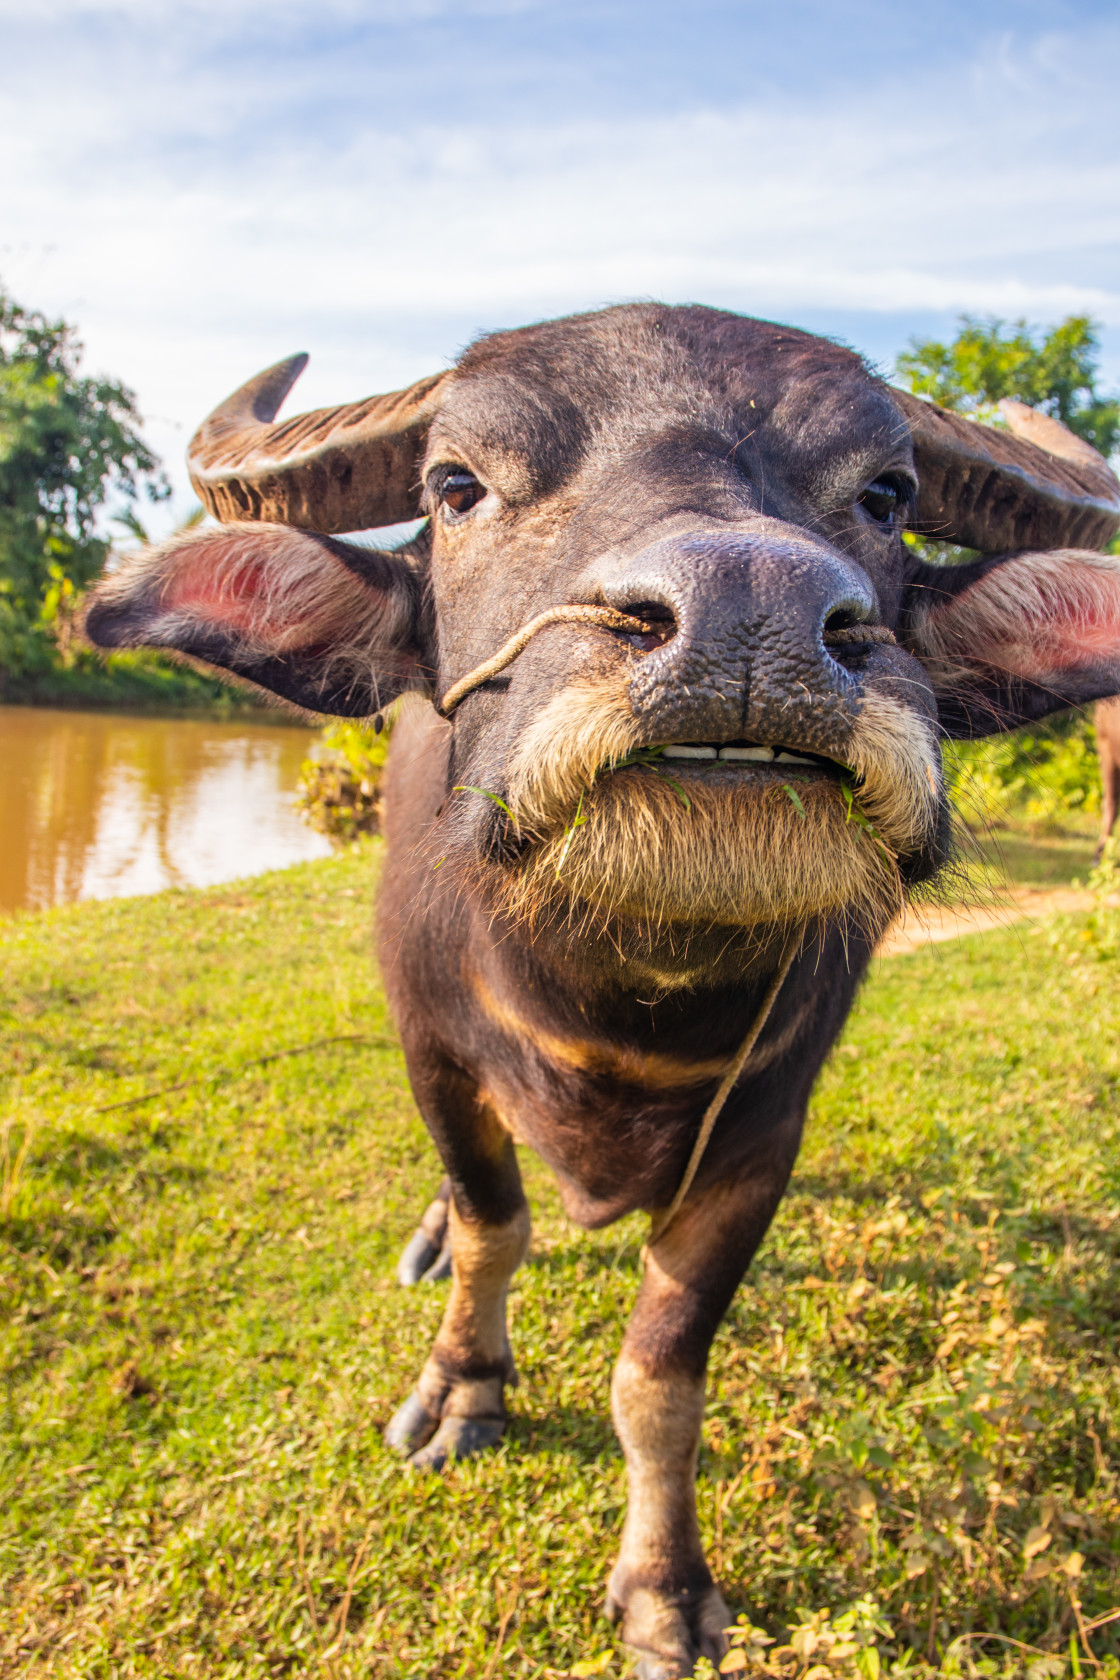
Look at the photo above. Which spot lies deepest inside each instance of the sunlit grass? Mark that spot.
(914, 1397)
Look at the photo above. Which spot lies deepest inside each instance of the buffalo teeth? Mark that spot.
(734, 755)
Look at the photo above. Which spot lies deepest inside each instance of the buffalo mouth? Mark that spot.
(720, 833)
(732, 831)
(738, 756)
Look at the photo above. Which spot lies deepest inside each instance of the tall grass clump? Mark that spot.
(340, 784)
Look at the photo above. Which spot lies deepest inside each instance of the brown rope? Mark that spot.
(611, 620)
(506, 655)
(660, 1223)
(858, 633)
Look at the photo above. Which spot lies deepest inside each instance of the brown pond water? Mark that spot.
(102, 805)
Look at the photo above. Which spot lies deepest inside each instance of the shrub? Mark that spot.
(1038, 775)
(340, 782)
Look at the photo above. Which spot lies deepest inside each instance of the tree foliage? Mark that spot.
(1055, 371)
(1049, 771)
(67, 441)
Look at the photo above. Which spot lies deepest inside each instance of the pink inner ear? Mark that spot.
(1091, 641)
(222, 594)
(1036, 614)
(261, 587)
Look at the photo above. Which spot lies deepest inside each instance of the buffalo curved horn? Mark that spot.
(1036, 486)
(336, 469)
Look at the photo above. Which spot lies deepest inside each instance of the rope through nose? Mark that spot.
(606, 616)
(610, 619)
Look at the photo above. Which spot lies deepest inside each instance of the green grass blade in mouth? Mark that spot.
(639, 757)
(677, 789)
(651, 758)
(486, 794)
(673, 783)
(570, 832)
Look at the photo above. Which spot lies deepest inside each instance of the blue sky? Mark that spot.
(207, 186)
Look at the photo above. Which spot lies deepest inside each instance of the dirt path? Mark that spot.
(931, 926)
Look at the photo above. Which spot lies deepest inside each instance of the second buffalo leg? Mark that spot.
(457, 1406)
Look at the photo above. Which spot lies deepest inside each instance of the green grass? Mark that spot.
(1014, 855)
(132, 680)
(203, 1339)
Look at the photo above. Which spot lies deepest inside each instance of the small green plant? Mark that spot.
(652, 758)
(849, 793)
(340, 785)
(589, 1666)
(820, 1647)
(795, 801)
(1100, 936)
(577, 822)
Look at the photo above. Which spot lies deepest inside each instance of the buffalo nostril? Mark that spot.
(847, 638)
(661, 621)
(843, 619)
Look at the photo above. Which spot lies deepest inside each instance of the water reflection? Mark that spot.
(95, 805)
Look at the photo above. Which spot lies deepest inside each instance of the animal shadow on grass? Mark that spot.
(571, 1431)
(64, 1239)
(589, 1259)
(77, 1159)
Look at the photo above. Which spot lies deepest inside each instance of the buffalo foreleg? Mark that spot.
(661, 1588)
(457, 1406)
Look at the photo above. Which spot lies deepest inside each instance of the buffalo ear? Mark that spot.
(333, 628)
(1008, 639)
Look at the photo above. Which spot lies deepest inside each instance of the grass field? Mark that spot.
(1015, 856)
(914, 1397)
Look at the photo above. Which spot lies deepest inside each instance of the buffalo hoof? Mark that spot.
(668, 1631)
(423, 1261)
(458, 1437)
(411, 1426)
(430, 1444)
(440, 1266)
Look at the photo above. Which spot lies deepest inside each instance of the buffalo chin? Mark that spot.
(731, 848)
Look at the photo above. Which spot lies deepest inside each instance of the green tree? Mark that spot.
(67, 441)
(989, 359)
(1048, 772)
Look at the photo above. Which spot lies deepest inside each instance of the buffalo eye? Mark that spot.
(460, 490)
(885, 500)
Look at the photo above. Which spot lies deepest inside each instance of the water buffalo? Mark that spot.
(604, 847)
